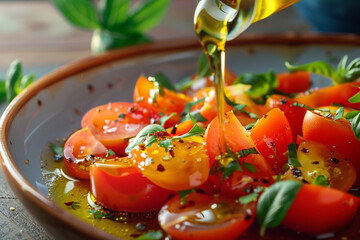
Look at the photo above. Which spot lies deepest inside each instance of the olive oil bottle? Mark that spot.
(217, 21)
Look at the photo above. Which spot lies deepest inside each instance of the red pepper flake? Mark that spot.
(160, 168)
(247, 217)
(305, 150)
(335, 160)
(172, 153)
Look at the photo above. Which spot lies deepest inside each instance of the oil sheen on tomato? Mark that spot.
(218, 21)
(65, 190)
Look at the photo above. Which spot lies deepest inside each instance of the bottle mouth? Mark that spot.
(243, 19)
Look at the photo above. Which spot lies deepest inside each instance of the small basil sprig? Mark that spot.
(343, 73)
(261, 84)
(157, 235)
(15, 81)
(142, 135)
(114, 22)
(275, 202)
(292, 155)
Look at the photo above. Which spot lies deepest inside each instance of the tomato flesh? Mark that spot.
(205, 217)
(318, 210)
(81, 150)
(118, 186)
(183, 166)
(114, 123)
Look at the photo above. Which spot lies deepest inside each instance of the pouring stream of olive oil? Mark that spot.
(217, 21)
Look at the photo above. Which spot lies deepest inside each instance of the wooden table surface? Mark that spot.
(35, 33)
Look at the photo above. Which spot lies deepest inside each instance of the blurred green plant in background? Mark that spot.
(116, 23)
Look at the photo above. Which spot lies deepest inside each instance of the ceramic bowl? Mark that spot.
(53, 106)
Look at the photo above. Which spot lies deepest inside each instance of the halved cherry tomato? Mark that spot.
(318, 210)
(81, 150)
(272, 135)
(237, 139)
(295, 82)
(205, 217)
(244, 182)
(318, 159)
(183, 166)
(337, 135)
(118, 186)
(294, 114)
(335, 94)
(168, 103)
(114, 123)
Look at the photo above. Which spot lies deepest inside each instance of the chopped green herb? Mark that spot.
(250, 126)
(245, 152)
(355, 125)
(248, 198)
(58, 151)
(122, 115)
(239, 107)
(196, 115)
(339, 113)
(110, 153)
(250, 167)
(157, 235)
(292, 155)
(100, 214)
(194, 131)
(355, 98)
(321, 180)
(184, 193)
(165, 118)
(150, 141)
(72, 204)
(229, 169)
(189, 105)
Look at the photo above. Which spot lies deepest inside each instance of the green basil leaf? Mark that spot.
(351, 115)
(57, 150)
(189, 105)
(141, 136)
(250, 167)
(157, 235)
(274, 203)
(196, 115)
(164, 81)
(104, 40)
(355, 98)
(321, 180)
(261, 84)
(245, 152)
(2, 90)
(24, 83)
(184, 84)
(355, 125)
(146, 15)
(81, 13)
(13, 78)
(317, 67)
(292, 155)
(229, 169)
(339, 113)
(150, 141)
(113, 12)
(249, 126)
(100, 214)
(165, 118)
(352, 71)
(248, 198)
(194, 131)
(203, 69)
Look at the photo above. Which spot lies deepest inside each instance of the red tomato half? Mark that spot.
(114, 123)
(295, 82)
(272, 135)
(295, 115)
(318, 210)
(120, 187)
(81, 150)
(205, 217)
(237, 139)
(333, 94)
(337, 135)
(168, 103)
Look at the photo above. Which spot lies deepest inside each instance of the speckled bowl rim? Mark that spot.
(21, 185)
